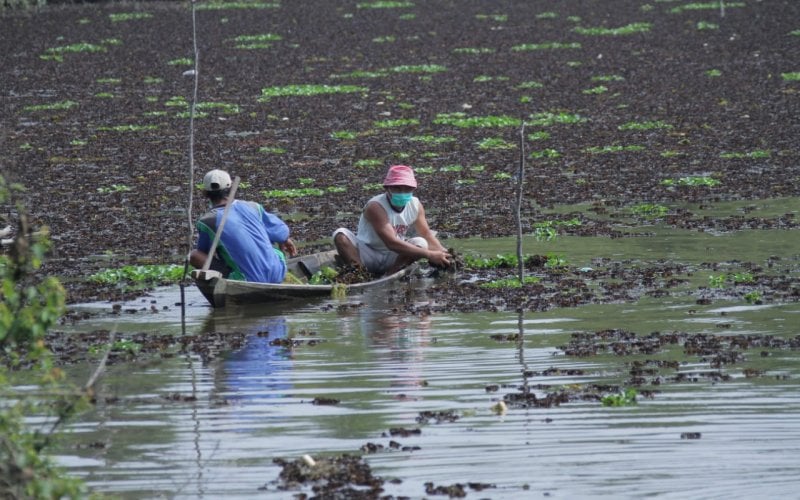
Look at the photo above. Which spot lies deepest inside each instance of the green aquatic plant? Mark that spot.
(608, 78)
(629, 29)
(305, 181)
(545, 46)
(226, 108)
(498, 261)
(451, 168)
(500, 18)
(461, 120)
(622, 398)
(432, 139)
(744, 277)
(613, 149)
(344, 135)
(512, 282)
(273, 150)
(424, 170)
(114, 188)
(181, 61)
(791, 77)
(758, 153)
(547, 119)
(373, 186)
(384, 4)
(109, 80)
(362, 74)
(325, 276)
(236, 5)
(649, 210)
(547, 15)
(705, 6)
(145, 274)
(753, 297)
(152, 80)
(368, 162)
(548, 153)
(490, 143)
(650, 125)
(600, 89)
(129, 16)
(539, 136)
(308, 90)
(713, 73)
(555, 261)
(57, 53)
(418, 68)
(502, 176)
(292, 193)
(401, 122)
(128, 128)
(384, 39)
(55, 106)
(530, 85)
(474, 50)
(254, 42)
(703, 25)
(717, 281)
(692, 181)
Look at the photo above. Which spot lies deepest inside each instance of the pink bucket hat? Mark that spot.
(400, 175)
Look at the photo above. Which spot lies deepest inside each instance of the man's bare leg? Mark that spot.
(347, 251)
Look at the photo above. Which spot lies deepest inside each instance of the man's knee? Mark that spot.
(419, 241)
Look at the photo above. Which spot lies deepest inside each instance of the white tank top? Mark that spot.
(402, 222)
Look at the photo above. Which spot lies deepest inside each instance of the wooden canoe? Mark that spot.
(221, 292)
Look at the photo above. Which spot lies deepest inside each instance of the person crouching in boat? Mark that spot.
(245, 250)
(392, 230)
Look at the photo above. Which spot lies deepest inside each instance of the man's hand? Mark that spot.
(440, 258)
(288, 247)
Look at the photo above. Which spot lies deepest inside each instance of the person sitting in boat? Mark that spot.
(245, 250)
(392, 230)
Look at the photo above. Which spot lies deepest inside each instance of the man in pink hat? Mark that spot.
(392, 231)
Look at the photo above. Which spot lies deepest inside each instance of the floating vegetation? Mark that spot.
(236, 5)
(57, 53)
(129, 16)
(495, 143)
(539, 136)
(613, 149)
(649, 210)
(167, 273)
(692, 181)
(529, 85)
(228, 109)
(703, 25)
(109, 80)
(473, 50)
(624, 398)
(104, 95)
(451, 168)
(344, 135)
(758, 153)
(629, 29)
(547, 119)
(368, 162)
(401, 122)
(253, 42)
(501, 176)
(713, 73)
(545, 46)
(419, 68)
(384, 4)
(114, 188)
(500, 18)
(128, 128)
(600, 89)
(791, 77)
(487, 78)
(293, 193)
(650, 125)
(511, 282)
(461, 120)
(182, 61)
(705, 6)
(608, 78)
(547, 15)
(384, 39)
(273, 150)
(56, 106)
(362, 74)
(544, 154)
(308, 90)
(432, 139)
(152, 80)
(374, 186)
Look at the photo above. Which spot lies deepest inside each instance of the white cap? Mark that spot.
(216, 180)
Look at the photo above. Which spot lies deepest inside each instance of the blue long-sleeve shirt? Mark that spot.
(246, 242)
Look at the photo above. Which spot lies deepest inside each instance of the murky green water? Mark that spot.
(385, 368)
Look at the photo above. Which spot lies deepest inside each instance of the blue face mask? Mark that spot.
(400, 200)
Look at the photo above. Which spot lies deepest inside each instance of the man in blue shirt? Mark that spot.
(245, 250)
